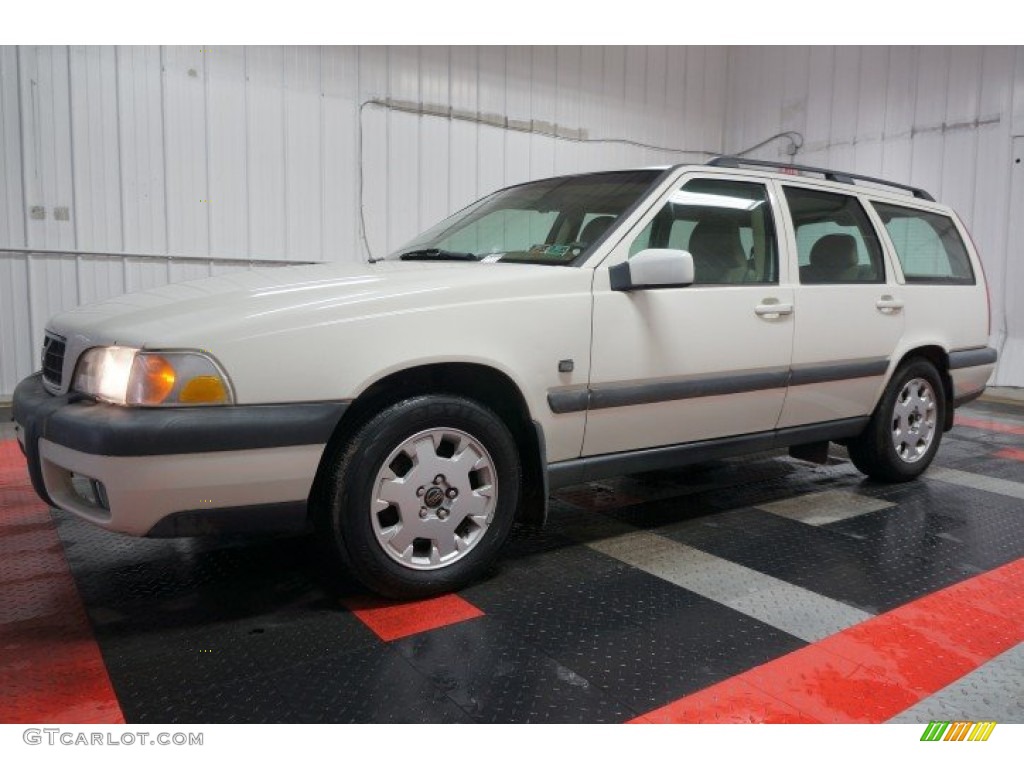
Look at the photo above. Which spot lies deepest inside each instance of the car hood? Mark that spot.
(258, 301)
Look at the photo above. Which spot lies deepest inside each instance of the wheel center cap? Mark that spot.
(434, 497)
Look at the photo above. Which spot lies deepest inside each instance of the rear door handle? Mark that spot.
(889, 305)
(772, 308)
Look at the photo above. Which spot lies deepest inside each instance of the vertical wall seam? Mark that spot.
(246, 150)
(21, 148)
(948, 58)
(665, 115)
(284, 154)
(163, 150)
(30, 286)
(419, 139)
(856, 90)
(885, 109)
(915, 69)
(358, 231)
(976, 138)
(477, 153)
(530, 114)
(71, 146)
(323, 147)
(386, 171)
(206, 134)
(1018, 51)
(830, 131)
(448, 141)
(120, 150)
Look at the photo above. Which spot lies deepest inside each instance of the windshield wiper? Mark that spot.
(437, 254)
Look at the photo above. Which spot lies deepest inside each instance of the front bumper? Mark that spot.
(173, 471)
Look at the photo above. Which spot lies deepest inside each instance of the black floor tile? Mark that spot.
(685, 648)
(369, 686)
(623, 629)
(496, 677)
(247, 700)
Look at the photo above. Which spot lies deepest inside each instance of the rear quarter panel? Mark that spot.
(953, 317)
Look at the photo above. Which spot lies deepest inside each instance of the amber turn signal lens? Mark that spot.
(203, 389)
(157, 379)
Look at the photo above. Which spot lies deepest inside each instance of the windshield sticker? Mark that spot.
(491, 258)
(545, 249)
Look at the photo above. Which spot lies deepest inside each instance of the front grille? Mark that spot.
(53, 360)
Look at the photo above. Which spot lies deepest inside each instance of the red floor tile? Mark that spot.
(390, 621)
(874, 670)
(732, 701)
(1014, 454)
(51, 670)
(989, 425)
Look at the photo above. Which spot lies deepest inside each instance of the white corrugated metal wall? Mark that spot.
(217, 156)
(124, 167)
(942, 118)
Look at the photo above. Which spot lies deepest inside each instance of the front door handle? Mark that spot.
(888, 305)
(772, 308)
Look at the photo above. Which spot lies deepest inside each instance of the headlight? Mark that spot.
(104, 372)
(128, 376)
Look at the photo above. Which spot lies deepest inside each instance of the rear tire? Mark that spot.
(904, 432)
(422, 497)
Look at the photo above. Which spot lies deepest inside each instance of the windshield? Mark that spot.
(543, 222)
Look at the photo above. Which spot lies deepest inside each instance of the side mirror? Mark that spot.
(653, 268)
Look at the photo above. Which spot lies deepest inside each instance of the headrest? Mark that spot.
(595, 228)
(834, 253)
(719, 239)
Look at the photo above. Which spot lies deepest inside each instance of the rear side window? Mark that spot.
(835, 240)
(928, 245)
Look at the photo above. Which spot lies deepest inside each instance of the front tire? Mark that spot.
(423, 496)
(904, 432)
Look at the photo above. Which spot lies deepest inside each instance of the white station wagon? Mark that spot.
(413, 408)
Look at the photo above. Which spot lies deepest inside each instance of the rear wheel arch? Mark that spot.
(938, 357)
(903, 434)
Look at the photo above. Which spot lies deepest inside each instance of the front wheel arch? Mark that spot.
(477, 382)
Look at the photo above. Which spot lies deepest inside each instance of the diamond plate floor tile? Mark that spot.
(369, 686)
(495, 677)
(247, 700)
(684, 650)
(994, 691)
(825, 507)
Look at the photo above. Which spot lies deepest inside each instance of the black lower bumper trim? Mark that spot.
(111, 430)
(969, 358)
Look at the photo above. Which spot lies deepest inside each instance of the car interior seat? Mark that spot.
(718, 254)
(833, 260)
(594, 229)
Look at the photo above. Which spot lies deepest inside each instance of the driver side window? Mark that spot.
(726, 226)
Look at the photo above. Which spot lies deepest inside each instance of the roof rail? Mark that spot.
(728, 161)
